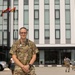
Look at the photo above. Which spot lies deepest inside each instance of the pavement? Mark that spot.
(53, 71)
(41, 70)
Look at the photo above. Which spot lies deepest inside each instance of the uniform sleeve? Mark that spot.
(13, 49)
(35, 49)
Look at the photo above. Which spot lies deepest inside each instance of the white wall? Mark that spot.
(20, 16)
(52, 22)
(41, 21)
(31, 20)
(62, 22)
(72, 6)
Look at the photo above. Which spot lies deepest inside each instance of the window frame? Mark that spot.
(35, 33)
(70, 34)
(15, 38)
(47, 37)
(56, 13)
(55, 33)
(26, 2)
(35, 15)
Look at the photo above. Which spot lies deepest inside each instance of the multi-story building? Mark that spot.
(50, 25)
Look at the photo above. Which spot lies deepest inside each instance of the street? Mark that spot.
(45, 71)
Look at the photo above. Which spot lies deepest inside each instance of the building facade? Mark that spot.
(50, 25)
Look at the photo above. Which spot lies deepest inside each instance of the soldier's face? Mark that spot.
(23, 33)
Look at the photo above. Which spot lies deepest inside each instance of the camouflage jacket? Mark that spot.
(25, 51)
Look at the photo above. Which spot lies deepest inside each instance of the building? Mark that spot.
(50, 25)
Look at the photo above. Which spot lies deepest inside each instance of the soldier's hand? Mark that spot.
(25, 68)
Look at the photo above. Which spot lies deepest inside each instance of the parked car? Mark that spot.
(3, 65)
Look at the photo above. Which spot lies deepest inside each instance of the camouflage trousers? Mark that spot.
(19, 71)
(67, 65)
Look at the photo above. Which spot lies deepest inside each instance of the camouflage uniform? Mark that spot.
(24, 53)
(67, 64)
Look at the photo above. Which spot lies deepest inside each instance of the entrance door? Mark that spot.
(51, 57)
(37, 59)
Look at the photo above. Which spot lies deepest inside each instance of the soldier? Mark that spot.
(23, 52)
(67, 64)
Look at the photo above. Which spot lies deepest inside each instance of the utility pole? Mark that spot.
(8, 31)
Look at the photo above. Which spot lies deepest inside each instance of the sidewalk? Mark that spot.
(53, 71)
(59, 70)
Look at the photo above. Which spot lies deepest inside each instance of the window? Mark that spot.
(36, 22)
(67, 2)
(47, 34)
(36, 34)
(26, 2)
(5, 2)
(46, 17)
(46, 2)
(36, 14)
(15, 2)
(5, 34)
(1, 2)
(57, 22)
(4, 37)
(68, 34)
(57, 2)
(57, 33)
(36, 17)
(0, 18)
(36, 2)
(26, 17)
(67, 16)
(5, 16)
(16, 15)
(57, 14)
(4, 19)
(15, 34)
(1, 37)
